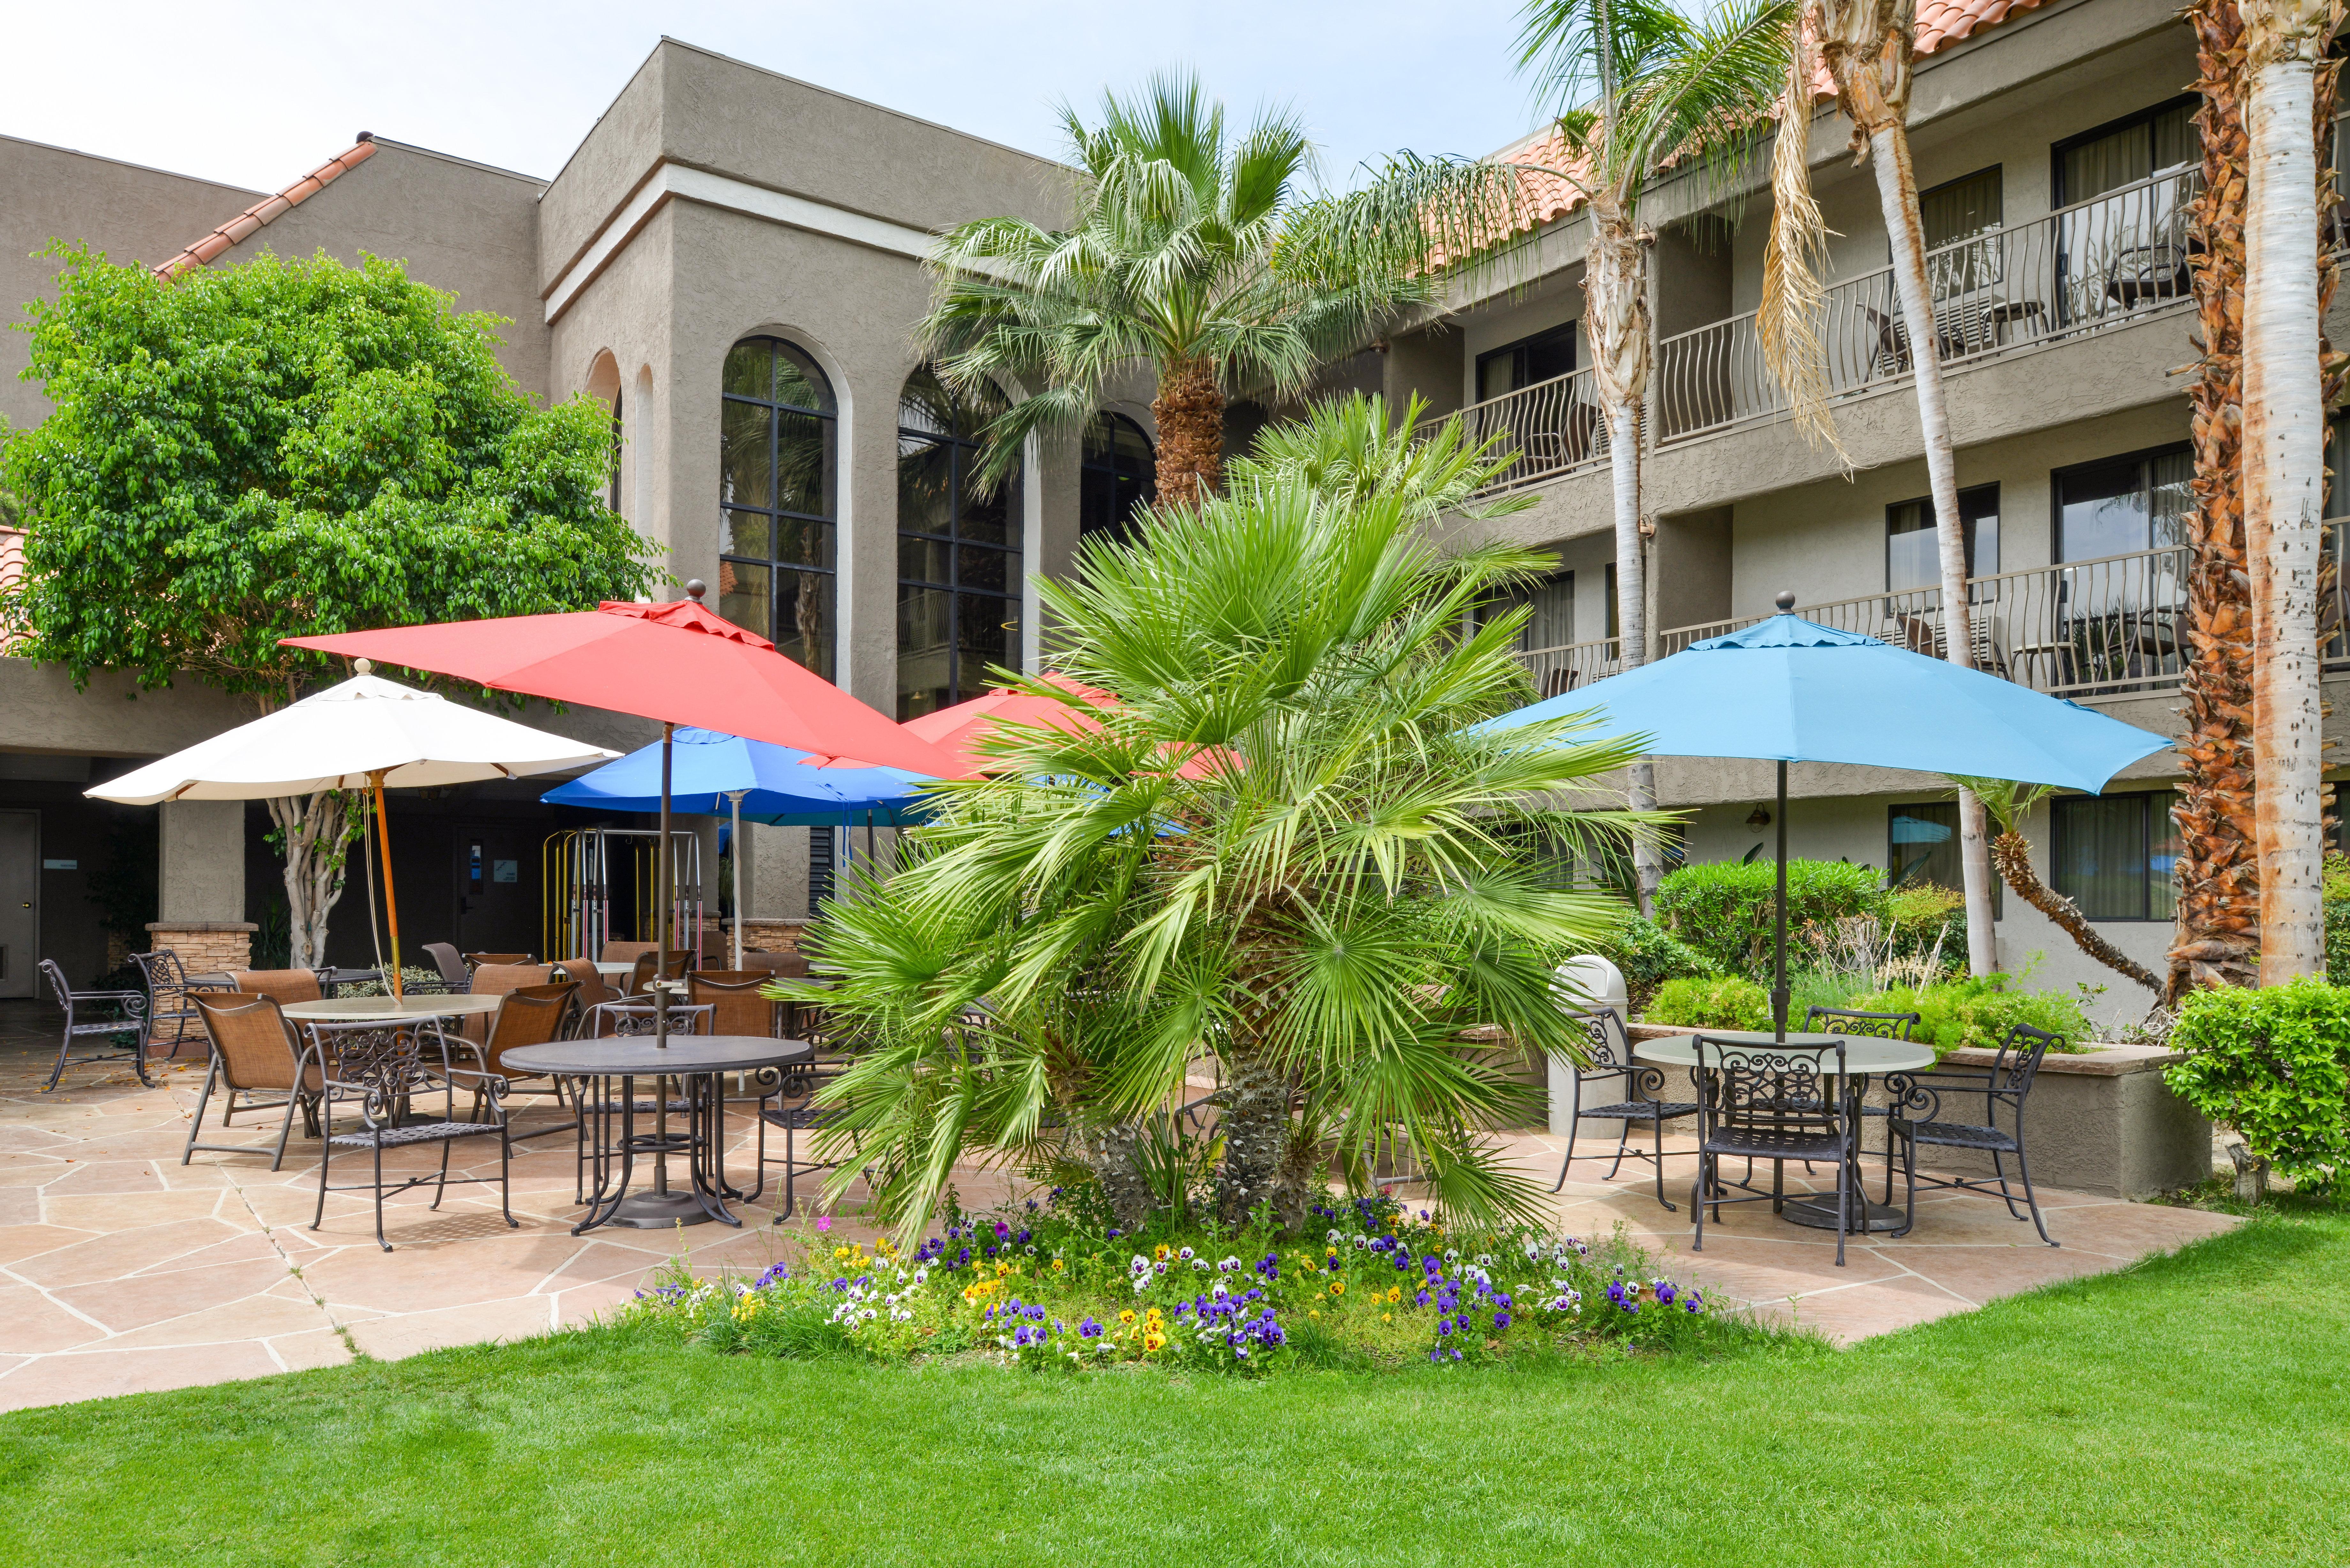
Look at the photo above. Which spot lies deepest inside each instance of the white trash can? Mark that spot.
(1582, 983)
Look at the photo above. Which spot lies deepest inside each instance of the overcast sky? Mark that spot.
(258, 93)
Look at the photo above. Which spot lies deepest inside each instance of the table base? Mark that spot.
(1819, 1213)
(658, 1211)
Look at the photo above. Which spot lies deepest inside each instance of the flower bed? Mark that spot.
(1039, 1287)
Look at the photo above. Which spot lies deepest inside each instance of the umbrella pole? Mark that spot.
(662, 922)
(391, 899)
(1779, 938)
(734, 807)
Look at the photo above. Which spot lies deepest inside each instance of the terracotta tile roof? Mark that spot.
(1546, 198)
(261, 214)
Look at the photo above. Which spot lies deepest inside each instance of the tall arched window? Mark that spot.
(778, 454)
(959, 567)
(1119, 475)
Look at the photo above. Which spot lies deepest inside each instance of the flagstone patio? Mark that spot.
(122, 1270)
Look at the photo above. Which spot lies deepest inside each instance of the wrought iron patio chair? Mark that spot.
(1876, 1026)
(385, 1069)
(1642, 1086)
(1774, 1103)
(168, 989)
(1916, 1119)
(254, 1052)
(130, 1018)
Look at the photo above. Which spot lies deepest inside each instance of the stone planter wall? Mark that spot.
(205, 947)
(768, 936)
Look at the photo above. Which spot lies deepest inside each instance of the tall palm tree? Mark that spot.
(1288, 846)
(1635, 85)
(1866, 45)
(1178, 263)
(2284, 469)
(2217, 936)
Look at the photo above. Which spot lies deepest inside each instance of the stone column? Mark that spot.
(774, 866)
(200, 886)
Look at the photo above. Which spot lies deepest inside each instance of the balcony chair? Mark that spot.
(168, 989)
(1916, 1119)
(385, 1069)
(1611, 1058)
(129, 1008)
(1774, 1103)
(254, 1052)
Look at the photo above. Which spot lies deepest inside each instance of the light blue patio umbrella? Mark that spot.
(715, 774)
(1787, 690)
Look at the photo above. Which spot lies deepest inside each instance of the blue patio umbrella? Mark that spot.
(1787, 690)
(715, 774)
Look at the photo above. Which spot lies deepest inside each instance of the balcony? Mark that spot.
(2085, 629)
(2114, 259)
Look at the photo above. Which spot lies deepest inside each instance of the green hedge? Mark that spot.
(1724, 910)
(1978, 1011)
(2274, 1064)
(1715, 1001)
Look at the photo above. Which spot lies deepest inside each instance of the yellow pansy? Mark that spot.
(1338, 1287)
(1126, 1316)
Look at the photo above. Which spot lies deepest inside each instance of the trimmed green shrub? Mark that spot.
(2274, 1064)
(1649, 956)
(2337, 916)
(1977, 1011)
(1923, 914)
(1724, 910)
(1716, 1001)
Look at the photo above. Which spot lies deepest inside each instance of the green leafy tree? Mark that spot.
(1287, 847)
(281, 447)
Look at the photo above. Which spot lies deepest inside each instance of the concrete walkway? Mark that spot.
(122, 1270)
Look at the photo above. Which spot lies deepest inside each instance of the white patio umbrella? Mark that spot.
(365, 733)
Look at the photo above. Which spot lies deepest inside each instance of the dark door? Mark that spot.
(20, 902)
(498, 889)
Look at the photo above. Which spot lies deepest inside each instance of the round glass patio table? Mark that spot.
(614, 968)
(1865, 1055)
(605, 1073)
(390, 1009)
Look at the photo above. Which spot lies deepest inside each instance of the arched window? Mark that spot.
(959, 567)
(1118, 476)
(777, 456)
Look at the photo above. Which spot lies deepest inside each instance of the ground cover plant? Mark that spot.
(2186, 1410)
(1057, 1284)
(1977, 1011)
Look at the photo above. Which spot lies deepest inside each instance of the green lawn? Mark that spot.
(2192, 1410)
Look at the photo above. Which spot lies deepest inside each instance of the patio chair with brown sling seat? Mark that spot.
(483, 960)
(286, 985)
(386, 1070)
(454, 973)
(735, 996)
(253, 1051)
(641, 979)
(529, 1015)
(496, 979)
(583, 973)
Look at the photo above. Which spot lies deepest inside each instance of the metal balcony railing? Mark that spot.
(2114, 258)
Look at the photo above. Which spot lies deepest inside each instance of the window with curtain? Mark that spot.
(2122, 504)
(2126, 151)
(1542, 356)
(777, 459)
(2116, 856)
(1552, 602)
(1913, 557)
(1922, 846)
(1118, 476)
(958, 569)
(1956, 212)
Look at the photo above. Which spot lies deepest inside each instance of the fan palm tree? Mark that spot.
(1178, 262)
(2284, 469)
(1287, 847)
(1866, 45)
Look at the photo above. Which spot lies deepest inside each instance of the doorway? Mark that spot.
(497, 887)
(20, 902)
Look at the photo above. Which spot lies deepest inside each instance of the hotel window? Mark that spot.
(1922, 845)
(1913, 551)
(1956, 212)
(1545, 356)
(1552, 602)
(2126, 151)
(2116, 855)
(776, 464)
(958, 569)
(1118, 475)
(2120, 505)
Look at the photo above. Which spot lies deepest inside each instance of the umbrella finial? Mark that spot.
(694, 588)
(364, 666)
(1787, 602)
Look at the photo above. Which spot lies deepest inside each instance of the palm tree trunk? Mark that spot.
(2218, 935)
(1617, 321)
(1256, 1132)
(1189, 412)
(2014, 855)
(2284, 454)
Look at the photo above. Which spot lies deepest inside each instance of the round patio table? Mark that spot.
(1865, 1055)
(615, 969)
(605, 1071)
(390, 1009)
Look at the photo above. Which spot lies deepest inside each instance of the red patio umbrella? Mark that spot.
(960, 728)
